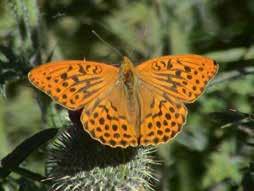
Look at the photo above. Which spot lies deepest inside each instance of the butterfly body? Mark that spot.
(130, 105)
(129, 81)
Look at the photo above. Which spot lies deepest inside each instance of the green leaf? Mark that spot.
(22, 151)
(222, 165)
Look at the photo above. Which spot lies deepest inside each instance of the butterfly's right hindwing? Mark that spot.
(162, 117)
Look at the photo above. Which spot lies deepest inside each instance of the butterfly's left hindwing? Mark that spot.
(107, 119)
(75, 83)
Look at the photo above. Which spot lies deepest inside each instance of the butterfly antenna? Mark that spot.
(107, 44)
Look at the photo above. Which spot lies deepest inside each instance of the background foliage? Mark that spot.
(214, 152)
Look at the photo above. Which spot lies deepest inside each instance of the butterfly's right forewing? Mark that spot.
(182, 76)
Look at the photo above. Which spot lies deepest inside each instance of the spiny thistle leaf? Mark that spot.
(23, 49)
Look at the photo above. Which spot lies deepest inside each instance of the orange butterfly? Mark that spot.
(128, 106)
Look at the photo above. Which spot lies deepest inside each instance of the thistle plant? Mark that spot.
(77, 162)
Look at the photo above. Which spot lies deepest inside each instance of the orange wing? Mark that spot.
(107, 119)
(164, 84)
(73, 83)
(162, 117)
(184, 76)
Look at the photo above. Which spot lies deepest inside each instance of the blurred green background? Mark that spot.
(214, 152)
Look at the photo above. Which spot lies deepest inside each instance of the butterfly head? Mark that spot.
(126, 65)
(126, 70)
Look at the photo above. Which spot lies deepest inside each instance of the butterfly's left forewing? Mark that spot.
(73, 83)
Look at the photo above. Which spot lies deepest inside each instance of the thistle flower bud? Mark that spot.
(77, 162)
